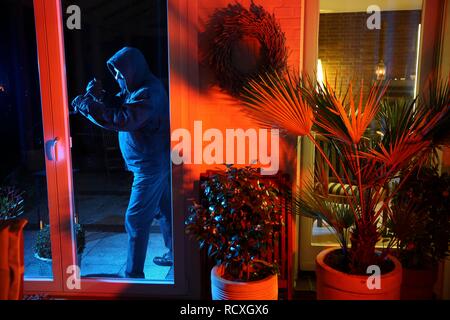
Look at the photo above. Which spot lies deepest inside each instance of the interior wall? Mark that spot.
(195, 97)
(216, 108)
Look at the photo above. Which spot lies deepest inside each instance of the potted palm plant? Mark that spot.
(11, 243)
(11, 203)
(366, 165)
(237, 221)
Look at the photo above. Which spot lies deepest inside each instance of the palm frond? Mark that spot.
(346, 118)
(274, 100)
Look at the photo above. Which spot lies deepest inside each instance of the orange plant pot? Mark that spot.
(4, 263)
(222, 289)
(418, 284)
(11, 259)
(335, 285)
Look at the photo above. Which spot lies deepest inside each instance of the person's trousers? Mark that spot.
(150, 197)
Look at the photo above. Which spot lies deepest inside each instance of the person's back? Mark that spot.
(143, 124)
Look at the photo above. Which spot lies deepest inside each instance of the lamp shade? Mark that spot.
(380, 71)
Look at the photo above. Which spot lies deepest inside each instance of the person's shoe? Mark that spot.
(165, 261)
(133, 276)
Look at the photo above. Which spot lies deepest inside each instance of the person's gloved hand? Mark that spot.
(95, 89)
(79, 105)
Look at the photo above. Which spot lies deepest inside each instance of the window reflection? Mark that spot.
(21, 128)
(351, 50)
(117, 76)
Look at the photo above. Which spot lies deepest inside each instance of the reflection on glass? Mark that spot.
(117, 76)
(22, 158)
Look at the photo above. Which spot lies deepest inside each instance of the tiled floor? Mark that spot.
(104, 256)
(100, 203)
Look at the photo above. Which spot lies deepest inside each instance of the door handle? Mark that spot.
(50, 149)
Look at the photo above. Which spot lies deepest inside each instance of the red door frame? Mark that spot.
(54, 98)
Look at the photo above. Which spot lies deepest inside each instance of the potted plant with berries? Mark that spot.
(237, 221)
(364, 166)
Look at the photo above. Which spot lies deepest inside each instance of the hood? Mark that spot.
(133, 66)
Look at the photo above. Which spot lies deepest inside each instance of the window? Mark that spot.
(357, 43)
(116, 36)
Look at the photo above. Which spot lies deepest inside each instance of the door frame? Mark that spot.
(55, 106)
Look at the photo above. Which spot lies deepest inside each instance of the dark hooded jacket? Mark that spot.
(141, 117)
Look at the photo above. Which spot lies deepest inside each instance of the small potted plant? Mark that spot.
(43, 249)
(420, 227)
(11, 243)
(237, 221)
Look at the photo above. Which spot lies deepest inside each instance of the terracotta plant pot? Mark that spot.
(11, 259)
(418, 284)
(222, 289)
(50, 261)
(335, 285)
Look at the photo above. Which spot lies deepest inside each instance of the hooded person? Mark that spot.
(140, 114)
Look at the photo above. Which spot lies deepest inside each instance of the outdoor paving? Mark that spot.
(104, 256)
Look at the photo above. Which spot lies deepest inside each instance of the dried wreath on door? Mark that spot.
(241, 44)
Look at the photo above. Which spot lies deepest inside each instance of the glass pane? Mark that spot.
(121, 136)
(366, 41)
(21, 128)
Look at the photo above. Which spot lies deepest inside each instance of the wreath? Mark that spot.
(226, 28)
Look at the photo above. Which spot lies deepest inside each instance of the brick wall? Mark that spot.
(348, 47)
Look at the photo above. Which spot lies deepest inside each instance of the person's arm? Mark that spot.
(130, 116)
